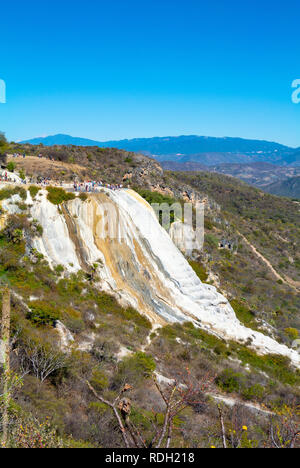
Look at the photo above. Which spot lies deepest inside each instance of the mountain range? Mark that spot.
(201, 149)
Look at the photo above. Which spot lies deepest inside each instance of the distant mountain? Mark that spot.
(200, 149)
(293, 159)
(259, 174)
(61, 139)
(286, 188)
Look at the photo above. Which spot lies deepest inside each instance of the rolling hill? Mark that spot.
(259, 174)
(193, 148)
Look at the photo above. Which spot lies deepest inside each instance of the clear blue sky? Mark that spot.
(123, 69)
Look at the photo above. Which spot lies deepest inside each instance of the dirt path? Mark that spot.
(287, 281)
(227, 400)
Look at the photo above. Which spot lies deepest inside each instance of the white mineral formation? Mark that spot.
(139, 263)
(186, 238)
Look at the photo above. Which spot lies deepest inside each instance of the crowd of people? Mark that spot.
(93, 186)
(6, 177)
(17, 155)
(86, 186)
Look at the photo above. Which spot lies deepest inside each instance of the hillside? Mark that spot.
(125, 309)
(287, 188)
(259, 174)
(83, 163)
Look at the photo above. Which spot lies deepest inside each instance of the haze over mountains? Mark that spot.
(273, 167)
(205, 150)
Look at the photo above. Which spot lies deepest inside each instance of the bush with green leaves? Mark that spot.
(254, 392)
(3, 141)
(42, 313)
(83, 196)
(199, 269)
(34, 190)
(57, 195)
(22, 174)
(8, 192)
(11, 166)
(134, 369)
(230, 381)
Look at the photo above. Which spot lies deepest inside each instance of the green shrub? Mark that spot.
(57, 195)
(292, 333)
(254, 392)
(199, 269)
(132, 315)
(154, 197)
(22, 174)
(212, 240)
(8, 192)
(59, 269)
(230, 381)
(135, 369)
(15, 227)
(34, 190)
(42, 313)
(99, 380)
(244, 315)
(73, 320)
(11, 166)
(83, 197)
(274, 365)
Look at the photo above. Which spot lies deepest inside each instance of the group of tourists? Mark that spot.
(17, 155)
(8, 177)
(94, 186)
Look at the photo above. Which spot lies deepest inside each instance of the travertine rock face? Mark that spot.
(186, 238)
(138, 262)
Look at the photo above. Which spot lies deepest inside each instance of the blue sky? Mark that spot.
(124, 69)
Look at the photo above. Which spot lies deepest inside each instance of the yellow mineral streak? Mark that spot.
(3, 217)
(141, 200)
(154, 281)
(115, 250)
(74, 234)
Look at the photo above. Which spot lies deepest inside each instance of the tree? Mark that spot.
(176, 396)
(284, 429)
(3, 141)
(11, 166)
(41, 360)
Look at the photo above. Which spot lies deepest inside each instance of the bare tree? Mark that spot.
(176, 396)
(284, 429)
(41, 360)
(224, 442)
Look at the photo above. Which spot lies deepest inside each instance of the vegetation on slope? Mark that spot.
(73, 162)
(103, 330)
(57, 195)
(270, 224)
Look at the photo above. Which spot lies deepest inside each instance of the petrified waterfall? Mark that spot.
(117, 233)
